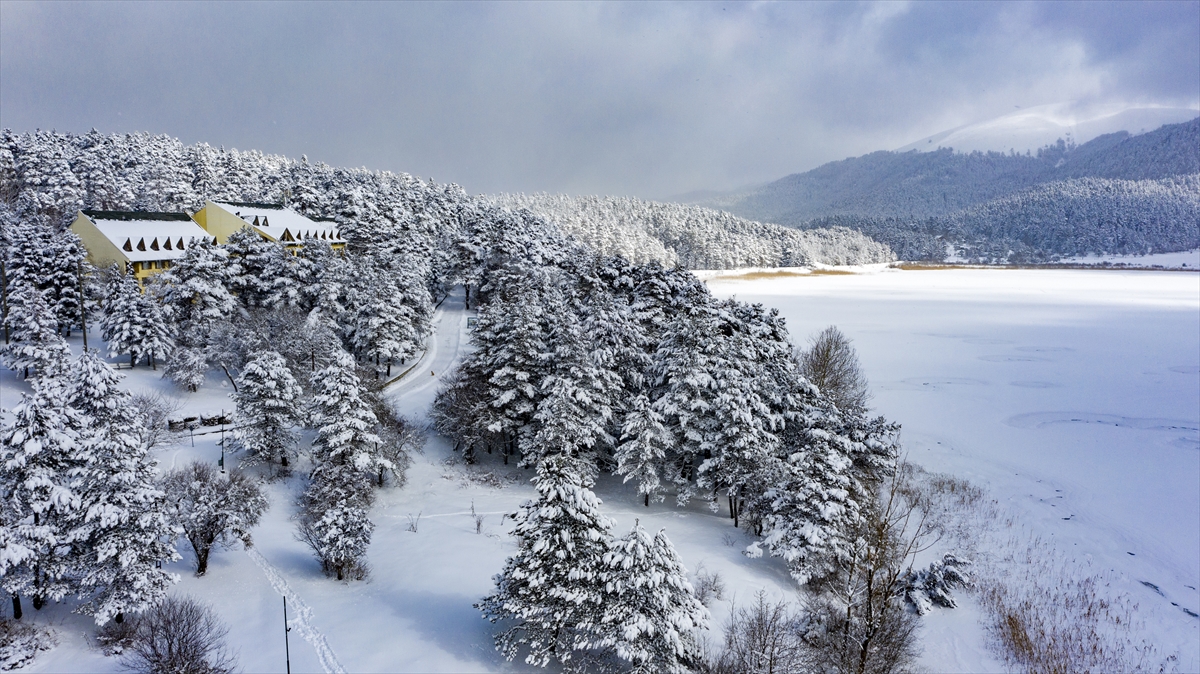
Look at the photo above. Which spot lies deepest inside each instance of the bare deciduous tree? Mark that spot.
(179, 636)
(762, 638)
(831, 363)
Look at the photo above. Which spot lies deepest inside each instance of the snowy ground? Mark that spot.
(1074, 396)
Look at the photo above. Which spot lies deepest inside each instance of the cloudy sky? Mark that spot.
(646, 99)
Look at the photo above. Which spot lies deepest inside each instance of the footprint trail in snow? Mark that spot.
(303, 620)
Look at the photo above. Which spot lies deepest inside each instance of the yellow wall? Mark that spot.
(100, 251)
(220, 223)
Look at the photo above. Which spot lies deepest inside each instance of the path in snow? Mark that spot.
(303, 620)
(413, 393)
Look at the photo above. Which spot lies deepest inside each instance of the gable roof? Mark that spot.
(143, 236)
(282, 223)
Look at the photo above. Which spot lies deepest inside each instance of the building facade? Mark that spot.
(145, 243)
(274, 222)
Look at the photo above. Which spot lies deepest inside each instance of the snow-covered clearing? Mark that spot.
(1073, 396)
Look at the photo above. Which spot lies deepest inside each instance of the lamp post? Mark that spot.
(287, 654)
(221, 463)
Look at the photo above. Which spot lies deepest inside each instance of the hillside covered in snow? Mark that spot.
(1115, 194)
(695, 237)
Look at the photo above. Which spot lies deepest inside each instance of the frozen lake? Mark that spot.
(1073, 396)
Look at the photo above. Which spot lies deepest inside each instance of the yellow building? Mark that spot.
(143, 241)
(274, 222)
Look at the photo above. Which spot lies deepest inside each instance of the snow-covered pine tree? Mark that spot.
(815, 499)
(382, 328)
(187, 368)
(268, 400)
(744, 427)
(212, 509)
(259, 270)
(578, 396)
(158, 341)
(194, 292)
(121, 529)
(33, 333)
(61, 279)
(41, 465)
(682, 392)
(645, 444)
(335, 520)
(553, 588)
(650, 613)
(123, 326)
(344, 420)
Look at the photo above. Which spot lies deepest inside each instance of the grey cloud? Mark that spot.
(647, 99)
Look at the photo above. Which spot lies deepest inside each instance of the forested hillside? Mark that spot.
(694, 237)
(54, 174)
(1133, 198)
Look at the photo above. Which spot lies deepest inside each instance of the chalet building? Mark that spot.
(274, 222)
(145, 242)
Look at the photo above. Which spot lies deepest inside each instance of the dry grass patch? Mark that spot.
(770, 275)
(830, 272)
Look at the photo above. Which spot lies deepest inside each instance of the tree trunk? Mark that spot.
(17, 613)
(120, 618)
(647, 499)
(202, 551)
(230, 378)
(339, 572)
(132, 361)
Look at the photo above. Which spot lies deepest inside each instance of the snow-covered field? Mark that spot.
(1073, 396)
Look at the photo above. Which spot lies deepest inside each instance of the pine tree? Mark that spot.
(645, 443)
(650, 613)
(187, 368)
(60, 279)
(578, 396)
(33, 331)
(121, 527)
(268, 407)
(42, 464)
(158, 341)
(553, 587)
(259, 270)
(124, 326)
(334, 519)
(194, 292)
(345, 423)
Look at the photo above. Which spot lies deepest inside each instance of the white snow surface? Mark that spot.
(1073, 396)
(1026, 382)
(149, 232)
(279, 220)
(1028, 129)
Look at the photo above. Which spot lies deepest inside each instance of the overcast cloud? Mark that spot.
(645, 99)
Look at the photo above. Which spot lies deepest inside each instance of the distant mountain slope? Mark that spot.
(923, 184)
(1117, 193)
(1027, 129)
(694, 237)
